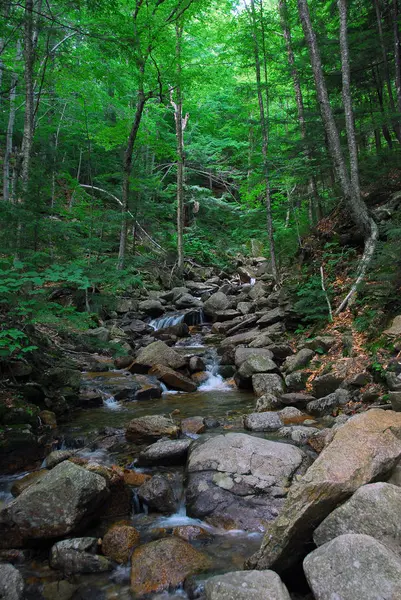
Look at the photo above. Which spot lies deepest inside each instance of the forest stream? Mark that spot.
(217, 399)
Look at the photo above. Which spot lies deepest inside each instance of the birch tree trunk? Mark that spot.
(180, 125)
(265, 141)
(315, 200)
(28, 54)
(349, 183)
(364, 221)
(7, 179)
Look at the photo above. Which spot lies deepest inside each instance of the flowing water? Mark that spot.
(215, 398)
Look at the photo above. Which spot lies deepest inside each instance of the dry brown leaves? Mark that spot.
(341, 327)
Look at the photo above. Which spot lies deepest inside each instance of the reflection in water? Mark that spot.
(215, 399)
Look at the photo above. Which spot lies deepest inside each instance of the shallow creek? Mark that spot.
(215, 398)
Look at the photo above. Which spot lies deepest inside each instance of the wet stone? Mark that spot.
(165, 452)
(164, 564)
(158, 495)
(193, 425)
(119, 542)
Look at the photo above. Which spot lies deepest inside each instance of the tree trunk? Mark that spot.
(395, 122)
(349, 184)
(314, 196)
(7, 194)
(29, 103)
(364, 221)
(265, 142)
(379, 91)
(127, 169)
(180, 125)
(397, 55)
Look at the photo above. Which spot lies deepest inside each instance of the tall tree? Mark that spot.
(147, 27)
(283, 10)
(386, 70)
(180, 125)
(349, 183)
(263, 111)
(8, 193)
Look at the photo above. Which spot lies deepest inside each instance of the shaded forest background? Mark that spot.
(111, 113)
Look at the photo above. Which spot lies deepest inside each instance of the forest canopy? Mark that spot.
(159, 132)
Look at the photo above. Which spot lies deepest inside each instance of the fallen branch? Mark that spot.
(145, 233)
(326, 295)
(370, 246)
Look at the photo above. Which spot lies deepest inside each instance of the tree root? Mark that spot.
(370, 246)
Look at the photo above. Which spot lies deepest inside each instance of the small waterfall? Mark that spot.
(166, 321)
(253, 281)
(214, 381)
(111, 403)
(191, 317)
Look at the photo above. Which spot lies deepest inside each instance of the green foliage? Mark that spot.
(311, 305)
(14, 344)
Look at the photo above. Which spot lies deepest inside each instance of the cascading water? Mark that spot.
(191, 317)
(167, 321)
(214, 381)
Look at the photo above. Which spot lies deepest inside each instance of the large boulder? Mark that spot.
(295, 382)
(321, 343)
(267, 402)
(11, 583)
(324, 406)
(119, 541)
(59, 504)
(267, 383)
(239, 481)
(60, 381)
(215, 304)
(158, 494)
(364, 449)
(246, 585)
(326, 384)
(298, 361)
(144, 387)
(164, 564)
(374, 509)
(150, 429)
(188, 301)
(165, 452)
(173, 379)
(152, 308)
(272, 316)
(353, 567)
(259, 290)
(296, 399)
(157, 353)
(240, 339)
(263, 421)
(395, 329)
(78, 556)
(256, 364)
(242, 354)
(20, 485)
(193, 425)
(261, 341)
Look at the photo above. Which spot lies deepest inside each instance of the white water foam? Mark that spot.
(165, 390)
(168, 321)
(112, 404)
(214, 381)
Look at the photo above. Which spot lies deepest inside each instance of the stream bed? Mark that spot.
(215, 398)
